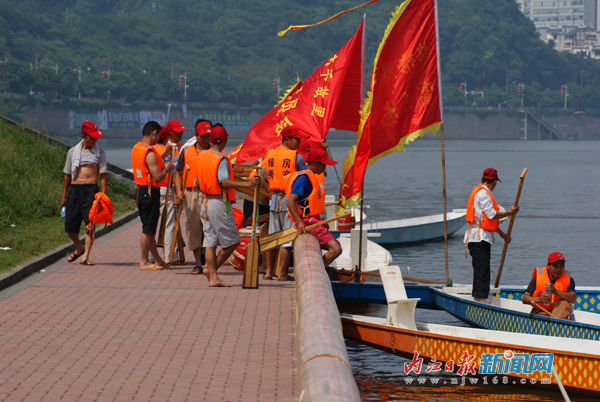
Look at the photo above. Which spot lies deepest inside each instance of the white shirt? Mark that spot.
(482, 202)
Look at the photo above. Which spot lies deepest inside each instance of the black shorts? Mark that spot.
(79, 202)
(249, 209)
(149, 207)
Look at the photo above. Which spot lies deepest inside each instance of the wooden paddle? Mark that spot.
(269, 242)
(543, 309)
(177, 229)
(243, 170)
(250, 280)
(510, 226)
(248, 190)
(163, 221)
(261, 219)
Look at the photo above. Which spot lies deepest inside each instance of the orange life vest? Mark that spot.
(487, 224)
(138, 163)
(191, 156)
(160, 148)
(100, 212)
(238, 215)
(207, 166)
(316, 198)
(542, 278)
(280, 163)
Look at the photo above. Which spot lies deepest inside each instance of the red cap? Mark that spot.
(175, 127)
(291, 131)
(490, 174)
(218, 135)
(318, 154)
(90, 129)
(203, 127)
(164, 133)
(556, 256)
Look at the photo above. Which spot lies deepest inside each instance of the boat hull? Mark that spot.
(577, 371)
(374, 293)
(411, 234)
(501, 319)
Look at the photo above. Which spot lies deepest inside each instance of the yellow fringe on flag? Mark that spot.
(296, 27)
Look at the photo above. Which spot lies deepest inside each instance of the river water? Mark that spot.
(560, 211)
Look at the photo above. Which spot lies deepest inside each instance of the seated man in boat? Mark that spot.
(306, 202)
(551, 288)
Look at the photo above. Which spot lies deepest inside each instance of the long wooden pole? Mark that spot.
(250, 279)
(543, 309)
(444, 207)
(510, 226)
(174, 241)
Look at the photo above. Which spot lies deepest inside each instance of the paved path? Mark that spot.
(114, 332)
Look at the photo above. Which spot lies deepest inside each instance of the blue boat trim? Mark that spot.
(499, 319)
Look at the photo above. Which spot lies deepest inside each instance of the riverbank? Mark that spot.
(30, 193)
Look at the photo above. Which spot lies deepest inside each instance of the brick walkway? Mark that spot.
(114, 332)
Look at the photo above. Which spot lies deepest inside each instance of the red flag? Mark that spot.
(404, 100)
(313, 105)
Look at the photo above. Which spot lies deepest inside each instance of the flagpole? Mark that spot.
(439, 71)
(444, 196)
(358, 276)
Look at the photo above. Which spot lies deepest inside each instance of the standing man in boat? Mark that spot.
(483, 216)
(552, 288)
(149, 169)
(306, 201)
(193, 197)
(85, 162)
(215, 177)
(279, 163)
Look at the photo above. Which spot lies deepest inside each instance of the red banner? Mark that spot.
(404, 99)
(330, 97)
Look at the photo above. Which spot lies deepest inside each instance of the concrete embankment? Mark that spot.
(465, 124)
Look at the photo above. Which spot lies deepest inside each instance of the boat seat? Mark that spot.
(401, 309)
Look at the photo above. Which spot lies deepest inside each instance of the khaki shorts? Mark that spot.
(193, 220)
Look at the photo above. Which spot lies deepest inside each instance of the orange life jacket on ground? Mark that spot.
(207, 166)
(280, 163)
(191, 157)
(138, 163)
(316, 198)
(542, 278)
(160, 148)
(487, 224)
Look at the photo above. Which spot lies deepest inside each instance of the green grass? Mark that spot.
(30, 191)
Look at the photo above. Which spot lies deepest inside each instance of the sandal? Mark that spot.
(267, 278)
(88, 263)
(73, 256)
(196, 270)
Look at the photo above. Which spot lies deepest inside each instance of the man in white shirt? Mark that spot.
(483, 218)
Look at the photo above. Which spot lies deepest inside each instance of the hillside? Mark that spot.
(229, 49)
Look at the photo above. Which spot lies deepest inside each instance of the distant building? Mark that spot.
(559, 13)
